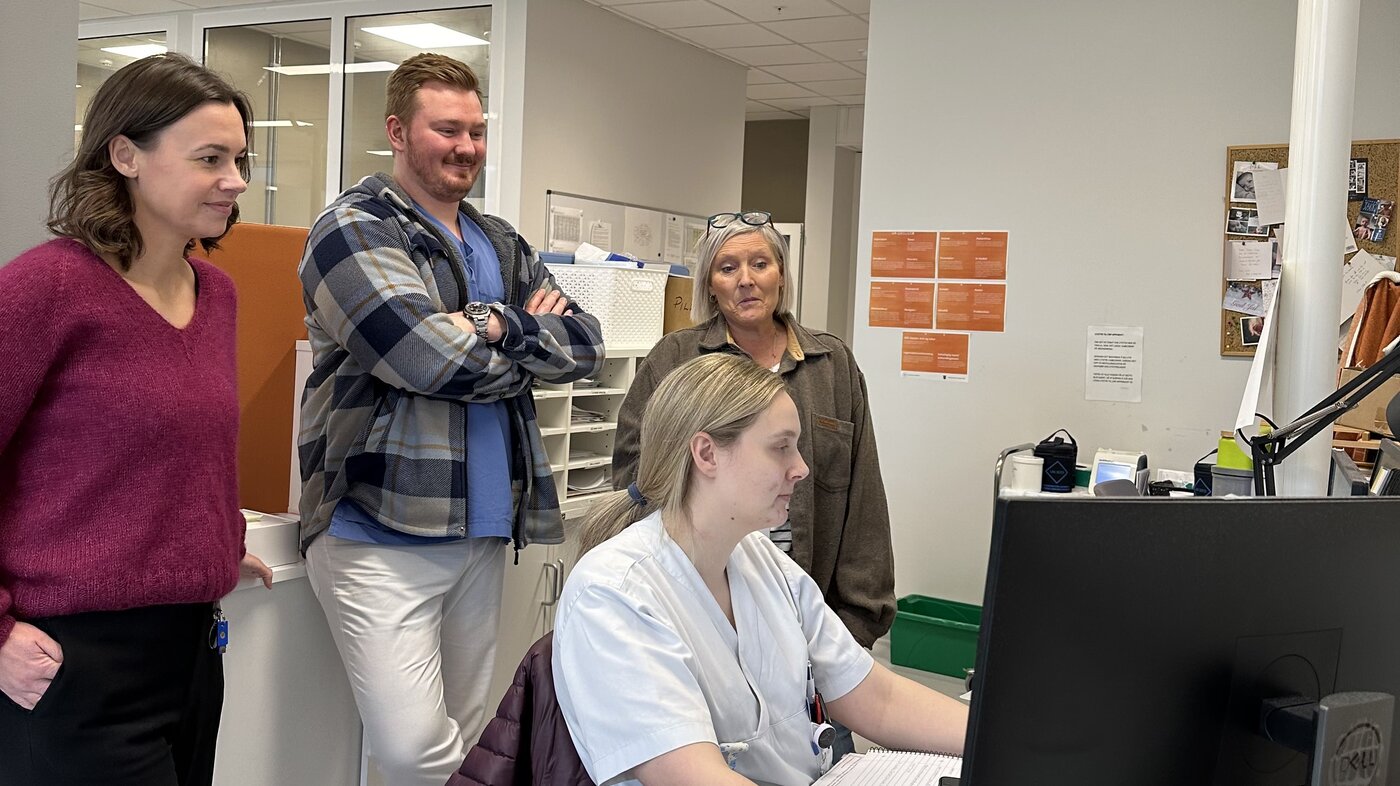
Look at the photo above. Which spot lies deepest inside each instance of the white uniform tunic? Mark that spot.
(646, 662)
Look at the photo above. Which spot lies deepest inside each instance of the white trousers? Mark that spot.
(416, 628)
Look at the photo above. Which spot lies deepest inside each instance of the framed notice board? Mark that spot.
(1376, 162)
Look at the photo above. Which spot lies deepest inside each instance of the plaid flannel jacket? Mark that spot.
(383, 416)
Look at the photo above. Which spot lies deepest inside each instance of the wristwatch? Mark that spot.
(480, 315)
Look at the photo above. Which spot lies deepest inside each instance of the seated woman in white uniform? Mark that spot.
(684, 635)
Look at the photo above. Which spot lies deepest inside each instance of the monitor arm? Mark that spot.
(1267, 450)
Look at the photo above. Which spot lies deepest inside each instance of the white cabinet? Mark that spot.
(578, 423)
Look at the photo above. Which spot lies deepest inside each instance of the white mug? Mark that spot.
(1026, 472)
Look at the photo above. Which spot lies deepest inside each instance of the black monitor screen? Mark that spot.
(1129, 642)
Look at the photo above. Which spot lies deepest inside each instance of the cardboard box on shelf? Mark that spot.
(677, 309)
(1369, 415)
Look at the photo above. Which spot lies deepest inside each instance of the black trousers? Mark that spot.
(135, 703)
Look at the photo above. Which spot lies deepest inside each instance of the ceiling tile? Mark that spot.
(855, 6)
(842, 50)
(758, 77)
(773, 116)
(849, 100)
(722, 36)
(828, 28)
(779, 90)
(679, 13)
(134, 7)
(607, 3)
(757, 106)
(838, 87)
(772, 55)
(794, 104)
(774, 10)
(88, 11)
(813, 72)
(855, 65)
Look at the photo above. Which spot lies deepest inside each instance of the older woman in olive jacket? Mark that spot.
(838, 528)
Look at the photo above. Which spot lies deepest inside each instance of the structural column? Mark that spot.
(1319, 150)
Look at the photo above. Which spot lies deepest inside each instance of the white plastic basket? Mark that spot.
(628, 302)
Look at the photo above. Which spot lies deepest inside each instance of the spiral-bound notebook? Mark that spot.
(892, 768)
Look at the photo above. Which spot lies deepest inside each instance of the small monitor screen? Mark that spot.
(1108, 470)
(1385, 479)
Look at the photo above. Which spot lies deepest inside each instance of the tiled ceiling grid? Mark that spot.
(799, 53)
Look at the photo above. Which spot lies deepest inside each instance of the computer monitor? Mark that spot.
(1385, 478)
(1130, 642)
(1347, 479)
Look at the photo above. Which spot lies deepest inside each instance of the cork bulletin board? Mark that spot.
(1382, 181)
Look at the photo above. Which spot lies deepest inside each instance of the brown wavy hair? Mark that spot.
(401, 93)
(89, 200)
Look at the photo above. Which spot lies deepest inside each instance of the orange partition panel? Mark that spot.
(262, 260)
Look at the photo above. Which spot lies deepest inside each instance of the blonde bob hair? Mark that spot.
(718, 394)
(702, 302)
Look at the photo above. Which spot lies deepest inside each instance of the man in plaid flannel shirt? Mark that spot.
(421, 458)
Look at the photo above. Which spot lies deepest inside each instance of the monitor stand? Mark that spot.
(1344, 734)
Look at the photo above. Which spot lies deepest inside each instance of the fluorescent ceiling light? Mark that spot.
(380, 152)
(325, 68)
(137, 51)
(272, 124)
(426, 36)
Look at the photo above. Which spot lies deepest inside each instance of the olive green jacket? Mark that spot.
(840, 521)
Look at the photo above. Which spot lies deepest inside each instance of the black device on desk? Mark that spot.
(1347, 479)
(1133, 642)
(1385, 478)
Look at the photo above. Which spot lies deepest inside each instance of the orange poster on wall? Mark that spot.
(936, 354)
(972, 307)
(899, 304)
(903, 254)
(973, 255)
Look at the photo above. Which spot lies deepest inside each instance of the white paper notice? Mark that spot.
(565, 229)
(675, 238)
(600, 234)
(1356, 274)
(1250, 260)
(641, 234)
(1270, 185)
(694, 231)
(1113, 364)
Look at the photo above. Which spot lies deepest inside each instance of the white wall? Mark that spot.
(616, 111)
(36, 115)
(1095, 133)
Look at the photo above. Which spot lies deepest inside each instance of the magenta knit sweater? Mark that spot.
(118, 432)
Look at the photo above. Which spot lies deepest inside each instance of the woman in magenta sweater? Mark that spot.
(119, 521)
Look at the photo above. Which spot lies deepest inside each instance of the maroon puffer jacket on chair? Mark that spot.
(527, 743)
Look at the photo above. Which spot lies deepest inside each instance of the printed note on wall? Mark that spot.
(979, 307)
(972, 255)
(935, 355)
(903, 254)
(900, 304)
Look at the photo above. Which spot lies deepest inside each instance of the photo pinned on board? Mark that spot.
(1356, 180)
(1244, 221)
(1242, 179)
(1374, 220)
(1251, 331)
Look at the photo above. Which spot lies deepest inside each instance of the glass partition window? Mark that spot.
(99, 58)
(374, 46)
(285, 70)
